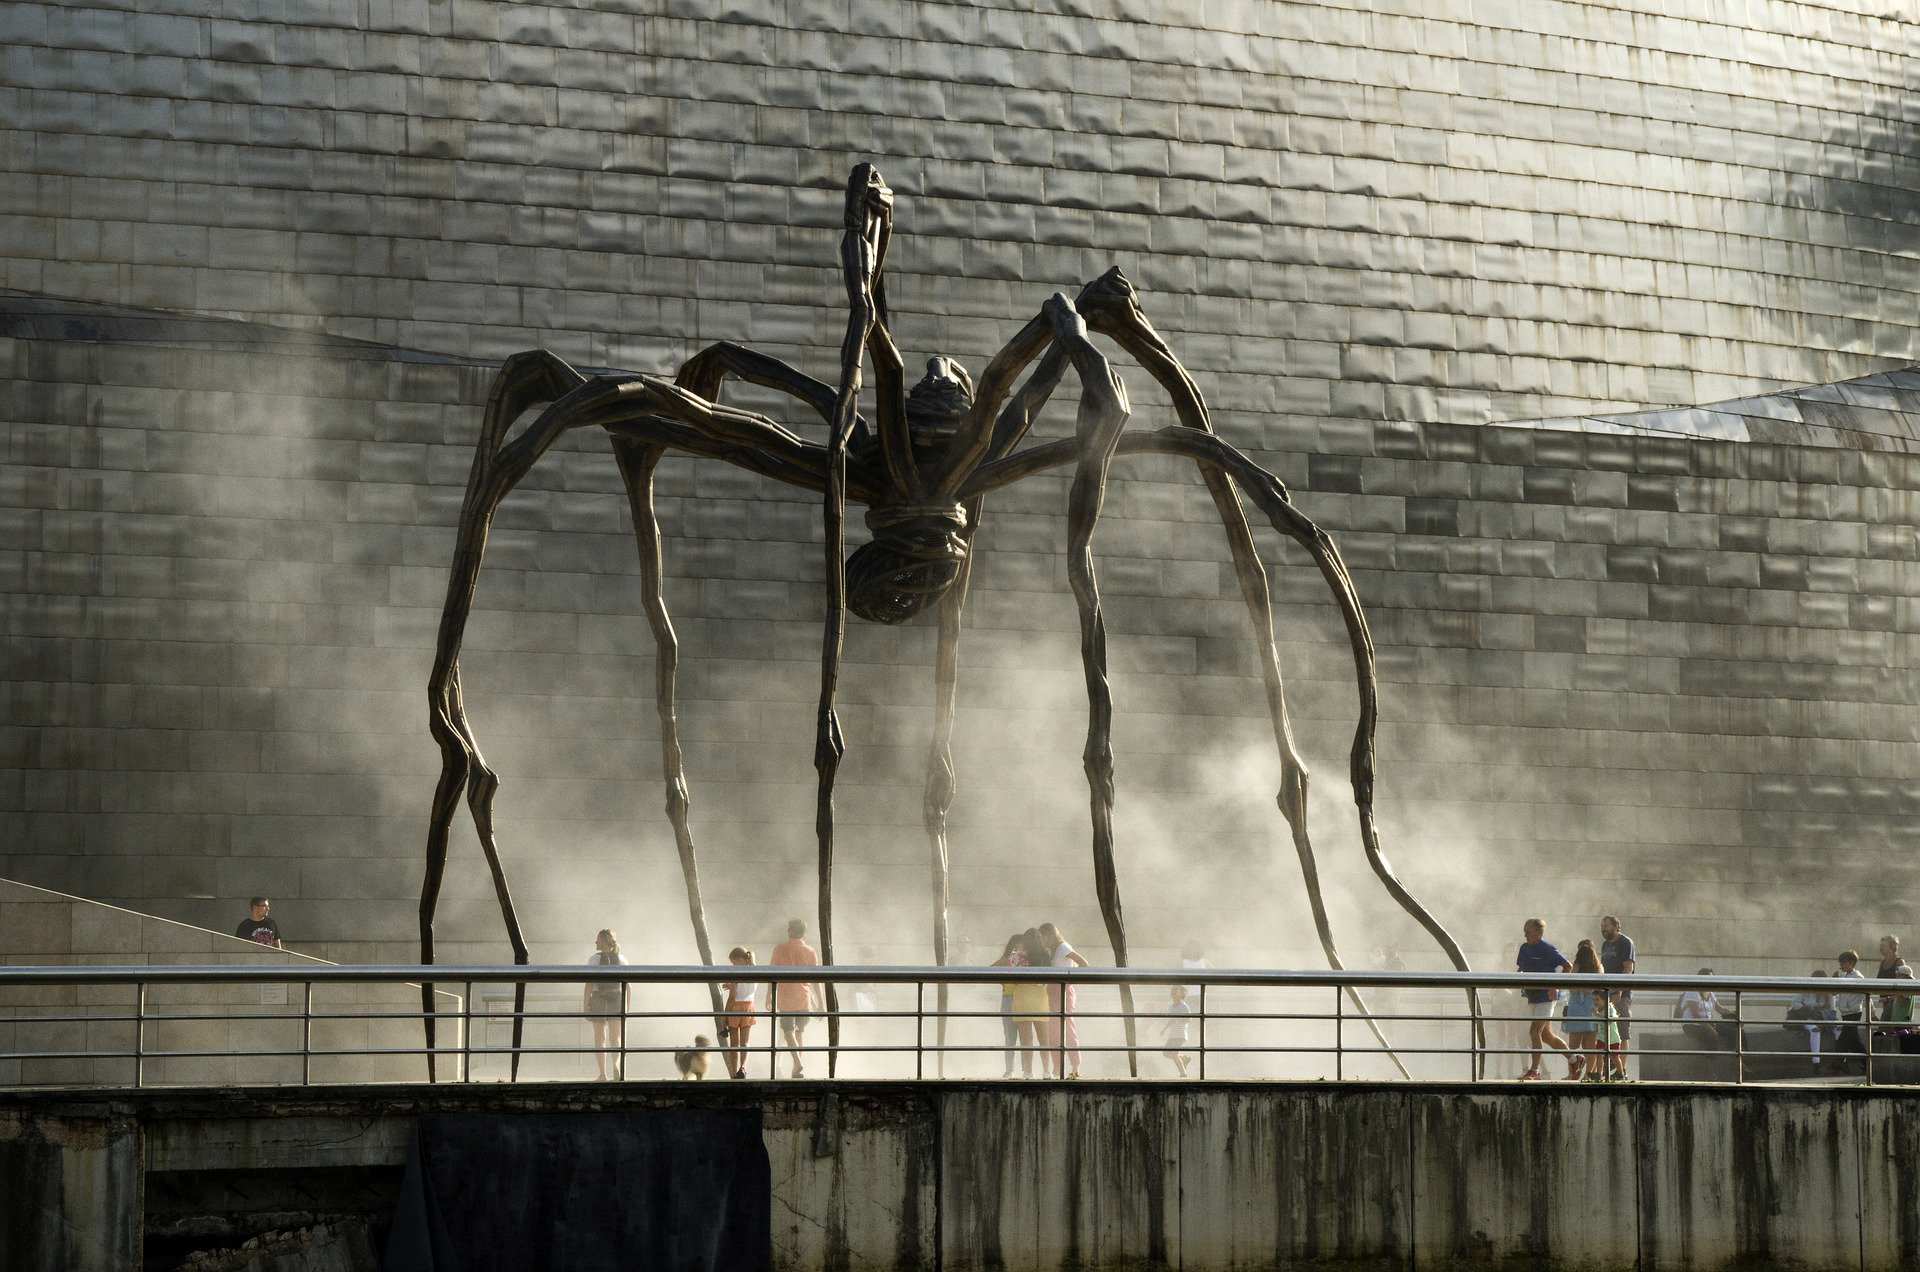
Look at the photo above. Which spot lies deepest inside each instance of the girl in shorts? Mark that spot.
(737, 1023)
(1585, 1029)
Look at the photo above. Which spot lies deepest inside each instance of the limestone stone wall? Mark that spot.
(1436, 211)
(1667, 677)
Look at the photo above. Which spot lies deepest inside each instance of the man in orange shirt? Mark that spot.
(796, 1001)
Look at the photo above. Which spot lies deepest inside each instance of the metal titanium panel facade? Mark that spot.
(1665, 677)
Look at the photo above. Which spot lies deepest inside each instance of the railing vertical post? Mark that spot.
(1339, 1035)
(1060, 1037)
(306, 1033)
(466, 1034)
(773, 1031)
(626, 1020)
(1866, 1023)
(1739, 1044)
(140, 1034)
(1606, 1032)
(1203, 1031)
(919, 1030)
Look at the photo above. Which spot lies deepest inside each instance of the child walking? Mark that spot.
(737, 1023)
(1178, 1013)
(1586, 1030)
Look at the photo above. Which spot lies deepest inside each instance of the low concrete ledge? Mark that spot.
(962, 1176)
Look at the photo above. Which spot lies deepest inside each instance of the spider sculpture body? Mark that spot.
(922, 468)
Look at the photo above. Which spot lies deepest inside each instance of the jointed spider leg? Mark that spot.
(869, 212)
(637, 407)
(1102, 417)
(1111, 307)
(1271, 497)
(637, 461)
(523, 380)
(940, 776)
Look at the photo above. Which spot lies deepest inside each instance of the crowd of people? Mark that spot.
(1599, 1023)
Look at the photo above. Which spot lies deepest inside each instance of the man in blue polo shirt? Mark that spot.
(1538, 955)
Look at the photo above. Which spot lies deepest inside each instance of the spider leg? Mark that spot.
(1112, 308)
(1270, 496)
(940, 777)
(635, 407)
(523, 380)
(1102, 417)
(869, 213)
(637, 461)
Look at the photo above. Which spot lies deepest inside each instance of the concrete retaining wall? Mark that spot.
(1223, 1177)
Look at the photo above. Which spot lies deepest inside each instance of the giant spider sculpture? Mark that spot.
(923, 467)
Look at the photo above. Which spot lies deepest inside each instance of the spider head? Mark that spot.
(944, 394)
(915, 556)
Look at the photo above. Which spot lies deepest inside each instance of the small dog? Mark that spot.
(692, 1062)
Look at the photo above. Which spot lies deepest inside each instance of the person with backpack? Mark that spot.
(604, 1004)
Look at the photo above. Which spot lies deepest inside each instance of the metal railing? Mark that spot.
(185, 1026)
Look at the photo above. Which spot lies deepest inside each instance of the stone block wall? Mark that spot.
(1665, 677)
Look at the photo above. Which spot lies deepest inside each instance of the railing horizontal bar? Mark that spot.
(418, 974)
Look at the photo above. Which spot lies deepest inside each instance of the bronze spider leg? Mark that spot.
(1270, 496)
(869, 218)
(940, 775)
(637, 460)
(1112, 308)
(523, 380)
(703, 374)
(1102, 417)
(635, 408)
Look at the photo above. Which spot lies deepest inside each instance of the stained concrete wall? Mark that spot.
(70, 1191)
(1222, 1178)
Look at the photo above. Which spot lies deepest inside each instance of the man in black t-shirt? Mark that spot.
(1618, 957)
(257, 926)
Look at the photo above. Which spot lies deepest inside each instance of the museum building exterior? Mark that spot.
(1458, 273)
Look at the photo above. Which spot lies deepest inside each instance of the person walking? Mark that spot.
(1175, 1037)
(1591, 1037)
(1851, 1007)
(1618, 957)
(796, 1002)
(604, 1004)
(1537, 954)
(1062, 1031)
(737, 1022)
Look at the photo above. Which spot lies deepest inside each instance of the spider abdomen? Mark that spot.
(915, 556)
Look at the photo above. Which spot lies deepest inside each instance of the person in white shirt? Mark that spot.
(1852, 1008)
(1697, 1008)
(1062, 1048)
(1814, 1011)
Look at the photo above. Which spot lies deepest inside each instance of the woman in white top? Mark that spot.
(604, 1004)
(1062, 1034)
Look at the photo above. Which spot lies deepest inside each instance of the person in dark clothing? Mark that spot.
(257, 927)
(1540, 955)
(1618, 957)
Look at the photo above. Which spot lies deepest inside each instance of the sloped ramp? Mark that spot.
(670, 1190)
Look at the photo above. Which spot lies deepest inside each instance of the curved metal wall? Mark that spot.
(1451, 210)
(1670, 678)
